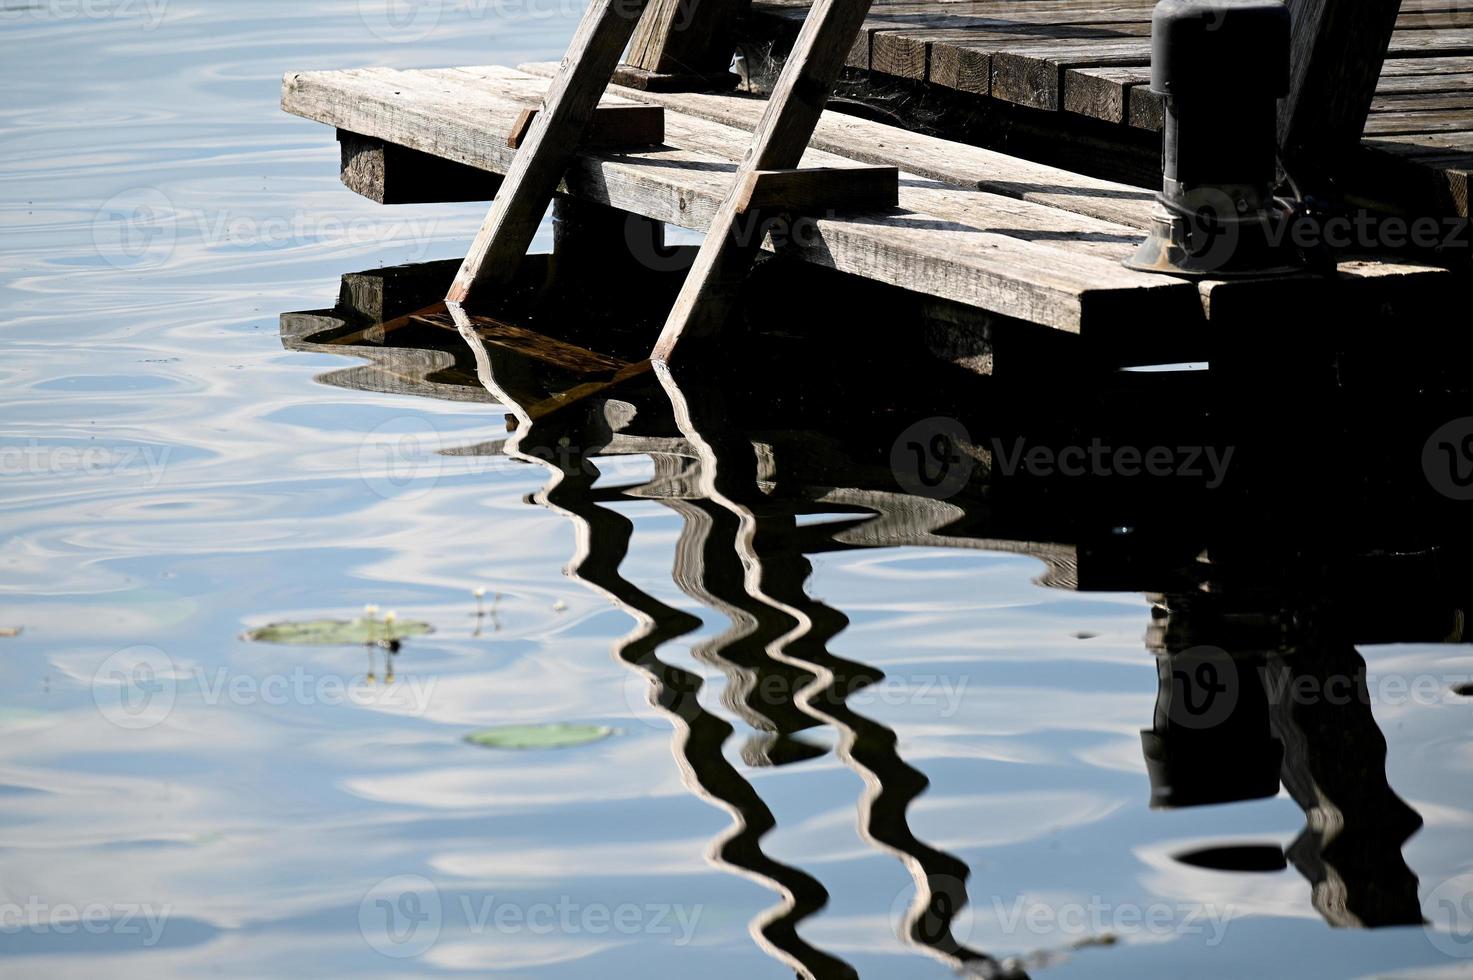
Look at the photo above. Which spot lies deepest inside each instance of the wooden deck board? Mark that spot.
(976, 227)
(951, 163)
(1013, 257)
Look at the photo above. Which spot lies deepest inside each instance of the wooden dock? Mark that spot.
(981, 229)
(1090, 59)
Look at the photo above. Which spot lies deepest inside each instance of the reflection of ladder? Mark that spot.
(766, 175)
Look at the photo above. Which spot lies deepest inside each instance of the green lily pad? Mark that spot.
(336, 632)
(557, 736)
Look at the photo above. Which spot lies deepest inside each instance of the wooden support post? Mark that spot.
(819, 188)
(568, 107)
(781, 137)
(619, 126)
(683, 46)
(1338, 50)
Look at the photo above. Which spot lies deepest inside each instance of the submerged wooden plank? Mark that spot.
(1029, 280)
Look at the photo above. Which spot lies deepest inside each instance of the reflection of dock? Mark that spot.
(1273, 572)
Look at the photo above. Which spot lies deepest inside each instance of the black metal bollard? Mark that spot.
(1221, 66)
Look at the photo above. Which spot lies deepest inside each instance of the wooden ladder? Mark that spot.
(766, 177)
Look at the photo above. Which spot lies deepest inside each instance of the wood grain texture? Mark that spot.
(955, 164)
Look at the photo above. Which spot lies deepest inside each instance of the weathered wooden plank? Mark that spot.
(1422, 101)
(957, 164)
(1392, 122)
(901, 55)
(1145, 109)
(818, 189)
(1444, 160)
(1391, 85)
(1030, 280)
(953, 65)
(512, 221)
(904, 51)
(1396, 67)
(611, 126)
(1034, 76)
(778, 143)
(1100, 92)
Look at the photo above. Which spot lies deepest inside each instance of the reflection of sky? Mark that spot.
(183, 479)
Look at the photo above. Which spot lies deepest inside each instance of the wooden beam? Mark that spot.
(816, 189)
(613, 126)
(392, 174)
(512, 222)
(782, 136)
(1337, 51)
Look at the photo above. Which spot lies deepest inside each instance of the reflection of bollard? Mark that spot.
(1221, 67)
(1210, 740)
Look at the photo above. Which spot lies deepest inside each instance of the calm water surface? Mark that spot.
(174, 475)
